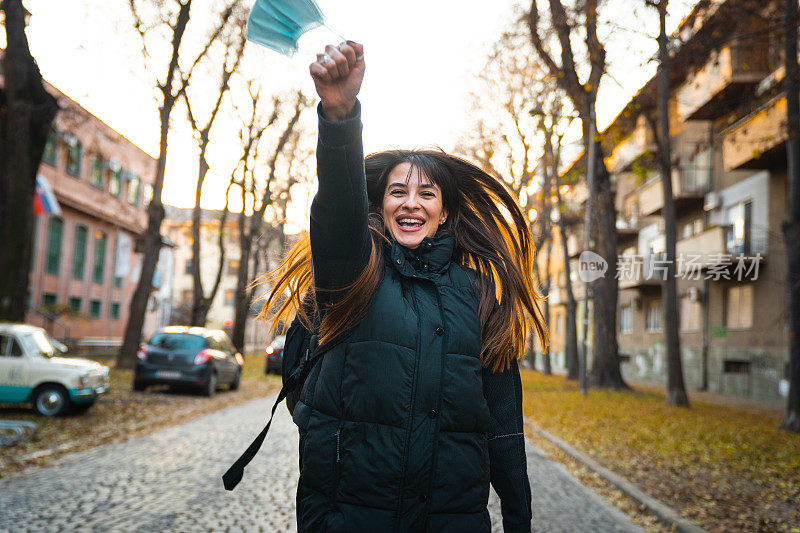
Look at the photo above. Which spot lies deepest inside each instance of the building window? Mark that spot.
(49, 299)
(690, 314)
(50, 154)
(559, 324)
(738, 307)
(626, 319)
(98, 273)
(113, 311)
(739, 219)
(654, 316)
(74, 156)
(133, 189)
(114, 178)
(96, 172)
(79, 251)
(75, 303)
(188, 269)
(94, 308)
(147, 194)
(55, 232)
(233, 267)
(229, 296)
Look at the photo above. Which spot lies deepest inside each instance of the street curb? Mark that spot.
(663, 512)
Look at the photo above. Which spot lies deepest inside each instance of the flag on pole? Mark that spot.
(44, 201)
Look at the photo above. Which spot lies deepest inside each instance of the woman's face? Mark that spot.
(412, 206)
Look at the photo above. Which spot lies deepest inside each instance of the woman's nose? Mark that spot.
(411, 201)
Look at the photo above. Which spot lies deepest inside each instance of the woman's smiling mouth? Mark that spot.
(410, 223)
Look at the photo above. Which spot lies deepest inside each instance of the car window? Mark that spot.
(9, 347)
(38, 343)
(178, 341)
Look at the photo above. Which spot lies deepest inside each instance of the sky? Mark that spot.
(422, 58)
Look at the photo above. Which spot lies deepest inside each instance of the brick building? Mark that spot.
(85, 266)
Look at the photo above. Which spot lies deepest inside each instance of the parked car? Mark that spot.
(32, 370)
(181, 355)
(274, 353)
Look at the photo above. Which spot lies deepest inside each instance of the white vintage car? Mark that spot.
(31, 371)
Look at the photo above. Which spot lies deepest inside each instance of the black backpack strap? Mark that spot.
(233, 476)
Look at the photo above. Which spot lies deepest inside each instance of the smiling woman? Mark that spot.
(417, 280)
(412, 206)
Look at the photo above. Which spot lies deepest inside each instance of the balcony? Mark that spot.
(637, 144)
(759, 140)
(640, 271)
(716, 247)
(689, 185)
(729, 75)
(627, 228)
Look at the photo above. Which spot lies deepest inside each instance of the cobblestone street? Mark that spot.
(170, 481)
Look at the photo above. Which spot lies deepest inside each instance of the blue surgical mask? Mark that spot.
(278, 24)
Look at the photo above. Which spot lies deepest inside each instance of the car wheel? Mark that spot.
(51, 400)
(211, 385)
(139, 385)
(236, 380)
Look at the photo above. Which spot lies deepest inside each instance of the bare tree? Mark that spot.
(233, 44)
(27, 111)
(259, 194)
(583, 95)
(152, 20)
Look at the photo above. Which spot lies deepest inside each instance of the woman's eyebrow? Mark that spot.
(396, 184)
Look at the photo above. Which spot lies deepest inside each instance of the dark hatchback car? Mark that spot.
(274, 353)
(197, 357)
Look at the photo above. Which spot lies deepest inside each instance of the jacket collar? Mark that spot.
(431, 256)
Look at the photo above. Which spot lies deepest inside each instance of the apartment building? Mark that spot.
(727, 128)
(177, 228)
(86, 261)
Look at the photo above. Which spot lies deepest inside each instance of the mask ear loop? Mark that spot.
(333, 30)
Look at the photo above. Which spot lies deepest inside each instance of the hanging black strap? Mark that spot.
(233, 476)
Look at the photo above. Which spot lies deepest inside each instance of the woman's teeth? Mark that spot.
(409, 222)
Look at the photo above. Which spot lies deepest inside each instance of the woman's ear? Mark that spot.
(443, 217)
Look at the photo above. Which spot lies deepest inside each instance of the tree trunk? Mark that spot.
(605, 370)
(151, 246)
(242, 296)
(200, 304)
(791, 226)
(676, 392)
(546, 366)
(27, 112)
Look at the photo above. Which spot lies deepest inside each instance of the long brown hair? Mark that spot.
(491, 237)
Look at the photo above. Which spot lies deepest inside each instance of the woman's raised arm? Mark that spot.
(340, 240)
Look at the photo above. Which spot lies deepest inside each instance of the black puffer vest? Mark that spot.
(393, 421)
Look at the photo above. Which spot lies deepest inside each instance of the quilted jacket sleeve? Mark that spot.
(507, 459)
(340, 241)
